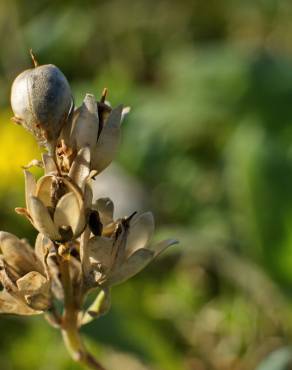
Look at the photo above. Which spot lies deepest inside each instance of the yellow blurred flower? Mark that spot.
(16, 150)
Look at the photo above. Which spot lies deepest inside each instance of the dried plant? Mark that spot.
(80, 248)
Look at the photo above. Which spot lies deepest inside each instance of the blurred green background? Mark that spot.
(207, 147)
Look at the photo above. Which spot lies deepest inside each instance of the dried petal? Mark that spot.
(88, 195)
(85, 124)
(108, 141)
(100, 251)
(54, 274)
(49, 164)
(30, 187)
(68, 213)
(44, 190)
(40, 247)
(120, 244)
(125, 112)
(18, 254)
(36, 290)
(38, 302)
(84, 252)
(23, 212)
(141, 231)
(42, 219)
(97, 259)
(105, 209)
(162, 246)
(80, 168)
(32, 283)
(134, 264)
(10, 305)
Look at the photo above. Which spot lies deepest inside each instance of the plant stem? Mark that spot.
(77, 350)
(99, 306)
(71, 335)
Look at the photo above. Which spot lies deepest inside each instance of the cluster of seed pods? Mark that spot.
(81, 247)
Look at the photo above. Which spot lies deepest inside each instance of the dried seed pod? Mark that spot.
(41, 100)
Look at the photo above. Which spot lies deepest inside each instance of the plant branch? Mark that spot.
(70, 332)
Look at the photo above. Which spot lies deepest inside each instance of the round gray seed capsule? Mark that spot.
(41, 100)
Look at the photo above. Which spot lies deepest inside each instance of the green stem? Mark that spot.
(71, 335)
(77, 350)
(99, 307)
